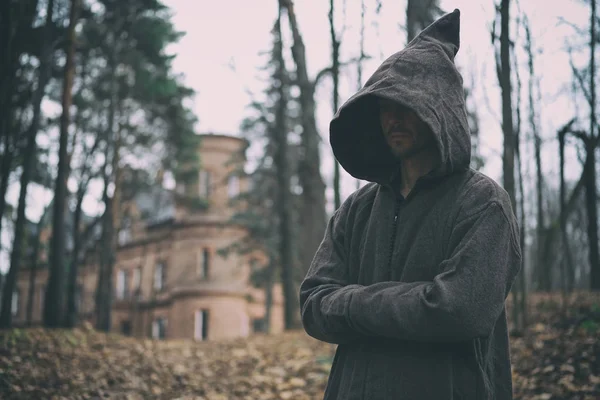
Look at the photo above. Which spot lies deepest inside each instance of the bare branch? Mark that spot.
(580, 79)
(582, 135)
(328, 70)
(578, 30)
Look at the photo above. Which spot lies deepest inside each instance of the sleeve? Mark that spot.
(462, 302)
(325, 291)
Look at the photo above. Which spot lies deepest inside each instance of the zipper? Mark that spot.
(393, 236)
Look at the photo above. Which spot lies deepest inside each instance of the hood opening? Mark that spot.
(422, 77)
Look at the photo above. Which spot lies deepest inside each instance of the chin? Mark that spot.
(401, 153)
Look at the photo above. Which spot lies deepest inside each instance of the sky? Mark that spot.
(223, 49)
(221, 54)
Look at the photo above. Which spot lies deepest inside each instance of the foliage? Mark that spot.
(559, 356)
(126, 42)
(193, 203)
(555, 360)
(260, 216)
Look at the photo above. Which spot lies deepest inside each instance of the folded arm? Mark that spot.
(462, 302)
(324, 293)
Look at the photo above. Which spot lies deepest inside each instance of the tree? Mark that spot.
(29, 159)
(54, 300)
(269, 214)
(33, 266)
(312, 207)
(16, 20)
(503, 69)
(540, 219)
(86, 172)
(135, 83)
(284, 198)
(520, 309)
(590, 141)
(361, 57)
(79, 239)
(420, 14)
(567, 277)
(335, 75)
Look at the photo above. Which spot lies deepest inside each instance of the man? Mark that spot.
(414, 269)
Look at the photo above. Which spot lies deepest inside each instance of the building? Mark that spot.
(171, 277)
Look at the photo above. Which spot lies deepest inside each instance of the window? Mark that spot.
(259, 325)
(204, 184)
(204, 264)
(124, 235)
(201, 325)
(42, 295)
(126, 327)
(15, 303)
(254, 266)
(122, 284)
(159, 276)
(233, 186)
(78, 297)
(159, 328)
(137, 280)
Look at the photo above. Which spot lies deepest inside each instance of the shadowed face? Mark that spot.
(406, 134)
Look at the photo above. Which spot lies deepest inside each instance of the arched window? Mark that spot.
(233, 186)
(204, 183)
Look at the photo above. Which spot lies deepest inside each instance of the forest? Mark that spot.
(92, 108)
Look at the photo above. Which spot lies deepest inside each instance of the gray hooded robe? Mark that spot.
(413, 290)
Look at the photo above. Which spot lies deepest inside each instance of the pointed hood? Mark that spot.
(422, 77)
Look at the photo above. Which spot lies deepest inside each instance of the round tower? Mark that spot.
(220, 178)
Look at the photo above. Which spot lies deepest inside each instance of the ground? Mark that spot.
(558, 357)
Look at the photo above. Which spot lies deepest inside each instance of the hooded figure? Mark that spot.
(411, 278)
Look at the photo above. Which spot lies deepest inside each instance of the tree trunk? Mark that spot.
(411, 20)
(591, 200)
(111, 217)
(285, 199)
(32, 274)
(541, 223)
(521, 315)
(359, 64)
(521, 284)
(28, 166)
(104, 285)
(312, 207)
(568, 272)
(335, 74)
(136, 317)
(5, 168)
(108, 243)
(71, 315)
(508, 156)
(14, 18)
(419, 14)
(269, 295)
(54, 302)
(570, 205)
(34, 265)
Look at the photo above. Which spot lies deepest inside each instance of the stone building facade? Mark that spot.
(171, 278)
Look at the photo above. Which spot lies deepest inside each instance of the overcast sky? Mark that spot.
(220, 57)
